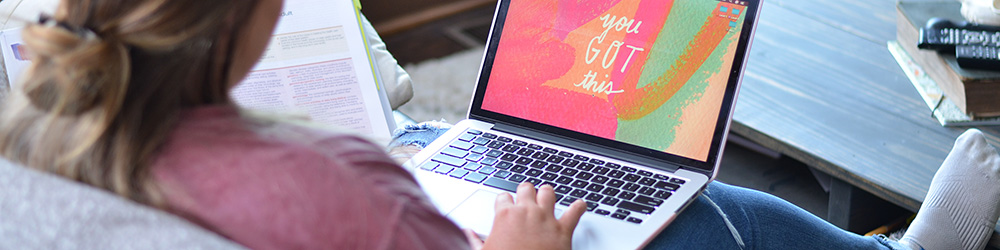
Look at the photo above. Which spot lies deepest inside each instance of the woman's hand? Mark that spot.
(530, 223)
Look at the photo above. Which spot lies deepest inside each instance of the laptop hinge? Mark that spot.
(594, 148)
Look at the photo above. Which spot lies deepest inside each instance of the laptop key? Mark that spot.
(489, 136)
(584, 176)
(626, 195)
(648, 201)
(540, 155)
(634, 220)
(481, 141)
(594, 197)
(647, 181)
(645, 173)
(611, 192)
(647, 191)
(563, 190)
(504, 165)
(566, 154)
(667, 186)
(480, 150)
(578, 193)
(661, 177)
(569, 172)
(505, 139)
(616, 174)
(509, 157)
(502, 174)
(517, 178)
(550, 150)
(534, 181)
(462, 145)
(629, 169)
(619, 216)
(510, 148)
(567, 201)
(581, 158)
(662, 194)
(678, 181)
(585, 166)
(454, 152)
(555, 159)
(501, 184)
(579, 184)
(570, 163)
(493, 153)
(600, 179)
(475, 132)
(472, 166)
(632, 177)
(455, 162)
(564, 180)
(533, 172)
(489, 161)
(612, 165)
(495, 145)
(594, 187)
(553, 168)
(467, 137)
(429, 165)
(601, 170)
(458, 173)
(519, 143)
(476, 177)
(610, 201)
(548, 176)
(602, 212)
(597, 162)
(616, 183)
(631, 187)
(591, 206)
(623, 211)
(443, 169)
(487, 170)
(525, 152)
(635, 207)
(523, 160)
(518, 169)
(539, 164)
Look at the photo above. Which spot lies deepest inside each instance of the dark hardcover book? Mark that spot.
(975, 92)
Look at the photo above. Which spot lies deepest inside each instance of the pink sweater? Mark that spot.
(271, 185)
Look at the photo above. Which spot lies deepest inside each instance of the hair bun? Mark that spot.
(73, 69)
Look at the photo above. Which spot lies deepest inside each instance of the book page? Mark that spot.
(317, 63)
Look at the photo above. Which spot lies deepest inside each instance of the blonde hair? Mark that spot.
(107, 82)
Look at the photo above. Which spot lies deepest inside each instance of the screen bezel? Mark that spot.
(722, 124)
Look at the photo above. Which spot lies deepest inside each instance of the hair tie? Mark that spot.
(48, 21)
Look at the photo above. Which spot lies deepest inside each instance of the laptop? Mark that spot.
(625, 104)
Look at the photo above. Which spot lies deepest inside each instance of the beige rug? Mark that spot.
(443, 88)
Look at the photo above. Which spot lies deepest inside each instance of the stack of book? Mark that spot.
(955, 95)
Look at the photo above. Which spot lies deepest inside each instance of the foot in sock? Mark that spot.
(961, 207)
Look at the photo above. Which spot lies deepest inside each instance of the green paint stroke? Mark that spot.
(658, 129)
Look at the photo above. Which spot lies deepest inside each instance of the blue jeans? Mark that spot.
(727, 217)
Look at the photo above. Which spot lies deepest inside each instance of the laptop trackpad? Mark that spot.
(476, 212)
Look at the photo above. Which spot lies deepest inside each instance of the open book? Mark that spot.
(317, 63)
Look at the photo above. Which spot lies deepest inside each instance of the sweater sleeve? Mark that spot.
(340, 192)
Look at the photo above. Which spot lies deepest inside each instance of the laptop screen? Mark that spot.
(648, 73)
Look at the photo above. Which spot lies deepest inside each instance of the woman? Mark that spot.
(132, 96)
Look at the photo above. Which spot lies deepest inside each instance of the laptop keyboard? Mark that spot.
(611, 189)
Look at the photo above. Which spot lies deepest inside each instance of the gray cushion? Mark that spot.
(43, 211)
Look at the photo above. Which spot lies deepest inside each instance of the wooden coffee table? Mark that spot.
(822, 88)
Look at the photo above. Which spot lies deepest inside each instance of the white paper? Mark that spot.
(14, 57)
(318, 63)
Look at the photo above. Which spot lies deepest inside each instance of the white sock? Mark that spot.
(961, 207)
